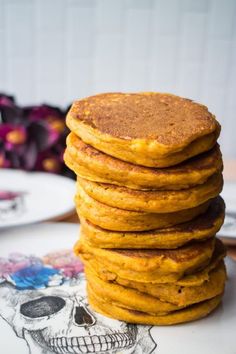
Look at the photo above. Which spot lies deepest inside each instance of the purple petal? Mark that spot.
(11, 114)
(6, 100)
(30, 156)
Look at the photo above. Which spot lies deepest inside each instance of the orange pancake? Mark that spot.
(149, 129)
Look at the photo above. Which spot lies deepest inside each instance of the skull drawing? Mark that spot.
(58, 319)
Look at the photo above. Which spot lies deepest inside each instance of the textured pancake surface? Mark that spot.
(187, 314)
(158, 298)
(128, 297)
(116, 219)
(191, 280)
(152, 201)
(150, 129)
(97, 166)
(200, 228)
(147, 265)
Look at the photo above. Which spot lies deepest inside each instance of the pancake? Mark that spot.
(164, 297)
(149, 129)
(181, 295)
(125, 220)
(187, 314)
(152, 201)
(200, 228)
(191, 280)
(96, 166)
(129, 298)
(147, 265)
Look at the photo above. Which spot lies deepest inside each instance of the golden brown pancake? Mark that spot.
(187, 314)
(152, 201)
(149, 129)
(200, 228)
(117, 219)
(147, 265)
(96, 166)
(128, 297)
(191, 280)
(164, 297)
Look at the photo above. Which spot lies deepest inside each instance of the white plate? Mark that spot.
(214, 334)
(42, 196)
(228, 230)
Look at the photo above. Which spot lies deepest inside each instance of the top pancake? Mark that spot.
(146, 115)
(146, 124)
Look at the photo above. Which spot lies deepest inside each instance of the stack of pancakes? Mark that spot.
(149, 174)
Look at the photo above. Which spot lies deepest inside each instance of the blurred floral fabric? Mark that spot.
(32, 138)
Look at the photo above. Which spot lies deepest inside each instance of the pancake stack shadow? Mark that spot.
(149, 175)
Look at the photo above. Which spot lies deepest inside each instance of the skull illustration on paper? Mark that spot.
(44, 301)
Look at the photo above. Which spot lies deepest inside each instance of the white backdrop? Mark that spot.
(55, 51)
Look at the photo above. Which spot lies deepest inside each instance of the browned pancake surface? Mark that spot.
(205, 221)
(169, 119)
(201, 222)
(179, 255)
(202, 227)
(203, 161)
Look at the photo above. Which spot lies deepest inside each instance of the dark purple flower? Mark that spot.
(43, 112)
(49, 162)
(51, 118)
(32, 138)
(6, 100)
(12, 135)
(9, 112)
(4, 162)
